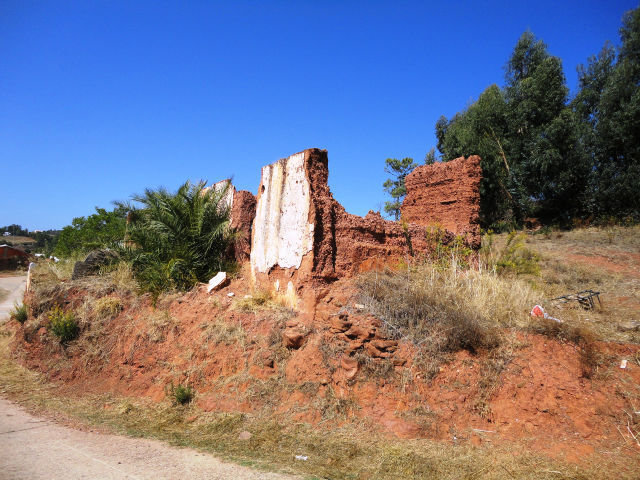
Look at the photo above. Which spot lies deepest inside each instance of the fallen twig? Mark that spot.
(620, 431)
(631, 433)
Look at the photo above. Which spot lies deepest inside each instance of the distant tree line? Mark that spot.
(45, 241)
(544, 154)
(103, 229)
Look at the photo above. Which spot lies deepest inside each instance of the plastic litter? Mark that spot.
(538, 311)
(304, 458)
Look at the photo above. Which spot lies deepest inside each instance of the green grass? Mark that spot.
(19, 313)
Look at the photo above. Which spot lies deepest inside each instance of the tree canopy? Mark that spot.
(394, 186)
(545, 154)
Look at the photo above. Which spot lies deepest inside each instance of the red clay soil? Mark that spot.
(303, 367)
(614, 261)
(448, 194)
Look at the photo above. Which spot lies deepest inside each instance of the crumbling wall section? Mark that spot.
(446, 194)
(371, 242)
(282, 233)
(242, 210)
(302, 234)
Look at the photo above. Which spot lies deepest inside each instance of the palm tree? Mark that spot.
(177, 240)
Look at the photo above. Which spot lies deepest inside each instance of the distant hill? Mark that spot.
(17, 240)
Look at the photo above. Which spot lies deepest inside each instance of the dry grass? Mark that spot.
(47, 271)
(263, 300)
(443, 310)
(107, 307)
(601, 259)
(348, 452)
(218, 332)
(17, 240)
(161, 323)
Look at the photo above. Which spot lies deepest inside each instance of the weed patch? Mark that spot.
(222, 332)
(161, 323)
(513, 257)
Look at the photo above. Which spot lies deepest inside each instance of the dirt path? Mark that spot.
(15, 286)
(35, 448)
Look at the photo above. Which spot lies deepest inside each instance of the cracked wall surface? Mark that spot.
(446, 194)
(282, 233)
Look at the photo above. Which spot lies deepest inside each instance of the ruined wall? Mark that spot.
(242, 207)
(446, 194)
(282, 234)
(302, 234)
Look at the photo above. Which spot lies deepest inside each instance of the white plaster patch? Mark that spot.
(227, 198)
(282, 234)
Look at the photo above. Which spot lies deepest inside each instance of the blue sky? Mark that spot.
(101, 99)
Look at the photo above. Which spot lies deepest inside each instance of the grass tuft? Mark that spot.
(107, 307)
(19, 313)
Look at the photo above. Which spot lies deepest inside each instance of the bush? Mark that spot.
(425, 313)
(63, 324)
(182, 394)
(19, 313)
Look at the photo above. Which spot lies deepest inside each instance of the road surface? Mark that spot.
(34, 448)
(15, 285)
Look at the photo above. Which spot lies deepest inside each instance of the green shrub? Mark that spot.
(517, 258)
(446, 249)
(513, 257)
(19, 313)
(182, 394)
(63, 324)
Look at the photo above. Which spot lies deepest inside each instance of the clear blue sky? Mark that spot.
(100, 99)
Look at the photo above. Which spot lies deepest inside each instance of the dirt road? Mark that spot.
(37, 449)
(15, 285)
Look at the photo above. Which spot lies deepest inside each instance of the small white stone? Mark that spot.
(231, 294)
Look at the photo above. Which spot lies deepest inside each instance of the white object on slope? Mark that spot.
(216, 281)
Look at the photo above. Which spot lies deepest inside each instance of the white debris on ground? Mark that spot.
(217, 281)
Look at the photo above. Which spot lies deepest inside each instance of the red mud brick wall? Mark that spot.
(446, 194)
